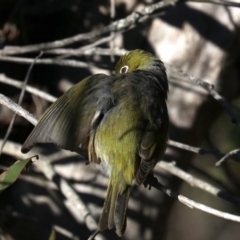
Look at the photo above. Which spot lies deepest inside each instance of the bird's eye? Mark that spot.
(124, 69)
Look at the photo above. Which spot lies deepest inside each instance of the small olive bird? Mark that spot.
(120, 122)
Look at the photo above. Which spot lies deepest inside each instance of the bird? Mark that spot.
(120, 122)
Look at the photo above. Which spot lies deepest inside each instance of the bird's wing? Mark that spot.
(152, 146)
(146, 152)
(68, 122)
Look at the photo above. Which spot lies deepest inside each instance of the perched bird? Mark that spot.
(120, 122)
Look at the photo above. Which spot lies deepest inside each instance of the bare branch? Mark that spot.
(19, 103)
(234, 153)
(82, 50)
(218, 2)
(46, 61)
(196, 182)
(17, 109)
(197, 150)
(32, 90)
(202, 151)
(192, 204)
(118, 25)
(112, 34)
(153, 182)
(68, 234)
(87, 51)
(92, 237)
(208, 87)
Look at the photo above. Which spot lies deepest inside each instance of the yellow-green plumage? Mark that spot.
(118, 121)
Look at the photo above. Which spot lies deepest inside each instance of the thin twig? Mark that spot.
(207, 176)
(153, 182)
(196, 182)
(202, 151)
(87, 51)
(233, 153)
(32, 90)
(17, 109)
(46, 61)
(112, 15)
(65, 232)
(218, 2)
(92, 237)
(24, 85)
(209, 88)
(197, 150)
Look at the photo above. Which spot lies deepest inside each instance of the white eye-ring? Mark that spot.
(124, 69)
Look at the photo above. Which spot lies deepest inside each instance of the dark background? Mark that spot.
(199, 38)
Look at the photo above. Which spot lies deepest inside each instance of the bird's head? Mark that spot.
(141, 60)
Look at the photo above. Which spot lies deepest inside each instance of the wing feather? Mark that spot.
(68, 121)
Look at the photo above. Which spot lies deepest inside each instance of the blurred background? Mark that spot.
(202, 39)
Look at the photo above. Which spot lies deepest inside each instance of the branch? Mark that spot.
(119, 25)
(208, 87)
(32, 90)
(122, 24)
(112, 34)
(87, 51)
(19, 103)
(196, 182)
(197, 150)
(153, 182)
(218, 2)
(82, 50)
(235, 154)
(46, 61)
(5, 101)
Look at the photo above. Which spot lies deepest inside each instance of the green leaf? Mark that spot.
(9, 176)
(52, 235)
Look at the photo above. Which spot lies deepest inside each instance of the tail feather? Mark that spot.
(114, 209)
(120, 211)
(107, 219)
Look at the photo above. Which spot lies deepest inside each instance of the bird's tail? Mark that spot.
(115, 208)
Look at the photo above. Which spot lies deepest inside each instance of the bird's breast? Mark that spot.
(117, 141)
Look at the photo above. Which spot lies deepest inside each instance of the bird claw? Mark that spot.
(146, 185)
(149, 181)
